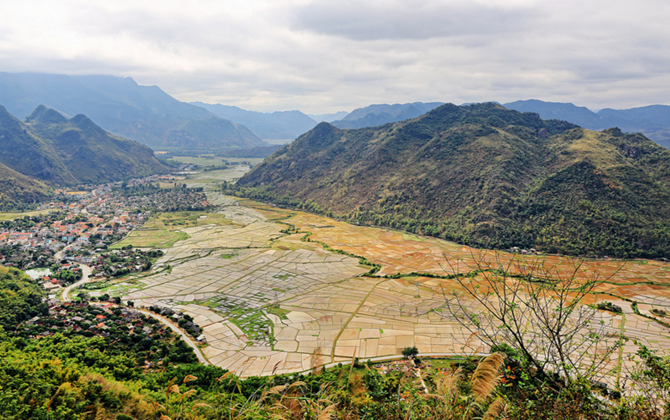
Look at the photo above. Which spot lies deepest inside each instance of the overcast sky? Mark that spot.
(327, 56)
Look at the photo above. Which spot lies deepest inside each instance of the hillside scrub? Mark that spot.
(481, 175)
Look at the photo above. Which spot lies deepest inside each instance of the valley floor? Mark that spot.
(271, 300)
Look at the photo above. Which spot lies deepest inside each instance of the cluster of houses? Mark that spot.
(170, 200)
(76, 228)
(98, 319)
(91, 216)
(120, 261)
(183, 320)
(56, 280)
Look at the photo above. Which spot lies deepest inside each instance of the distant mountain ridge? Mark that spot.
(328, 117)
(380, 114)
(482, 175)
(145, 114)
(274, 125)
(653, 120)
(49, 147)
(212, 134)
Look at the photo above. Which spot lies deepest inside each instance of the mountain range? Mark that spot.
(51, 148)
(286, 125)
(380, 114)
(145, 114)
(482, 175)
(328, 117)
(150, 116)
(653, 120)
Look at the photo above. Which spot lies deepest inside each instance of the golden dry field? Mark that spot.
(275, 290)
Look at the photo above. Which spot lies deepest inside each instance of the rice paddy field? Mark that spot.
(274, 289)
(163, 230)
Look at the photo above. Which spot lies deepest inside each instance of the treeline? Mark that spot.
(147, 189)
(25, 222)
(583, 229)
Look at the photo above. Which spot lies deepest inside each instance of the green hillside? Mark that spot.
(25, 152)
(482, 175)
(18, 191)
(49, 147)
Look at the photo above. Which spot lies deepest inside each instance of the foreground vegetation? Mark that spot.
(46, 379)
(70, 375)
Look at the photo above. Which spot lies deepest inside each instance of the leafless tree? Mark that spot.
(537, 311)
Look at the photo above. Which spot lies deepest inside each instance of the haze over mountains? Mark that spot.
(150, 116)
(485, 175)
(145, 114)
(60, 151)
(328, 117)
(653, 120)
(380, 114)
(275, 125)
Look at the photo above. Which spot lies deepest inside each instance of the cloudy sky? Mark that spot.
(326, 56)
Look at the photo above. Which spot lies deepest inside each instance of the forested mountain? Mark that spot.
(18, 190)
(375, 115)
(51, 148)
(275, 125)
(119, 105)
(483, 175)
(653, 120)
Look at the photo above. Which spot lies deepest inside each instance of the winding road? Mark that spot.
(86, 274)
(184, 336)
(85, 271)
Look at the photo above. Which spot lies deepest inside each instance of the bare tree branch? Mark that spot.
(537, 311)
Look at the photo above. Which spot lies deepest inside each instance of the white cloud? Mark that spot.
(322, 56)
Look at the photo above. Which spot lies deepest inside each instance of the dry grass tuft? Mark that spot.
(487, 376)
(272, 391)
(274, 369)
(446, 385)
(495, 409)
(314, 363)
(328, 413)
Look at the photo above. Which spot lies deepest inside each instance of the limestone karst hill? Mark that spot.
(483, 175)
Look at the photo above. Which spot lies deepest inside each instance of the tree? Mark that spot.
(20, 298)
(410, 352)
(537, 311)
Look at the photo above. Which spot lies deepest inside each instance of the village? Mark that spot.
(79, 227)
